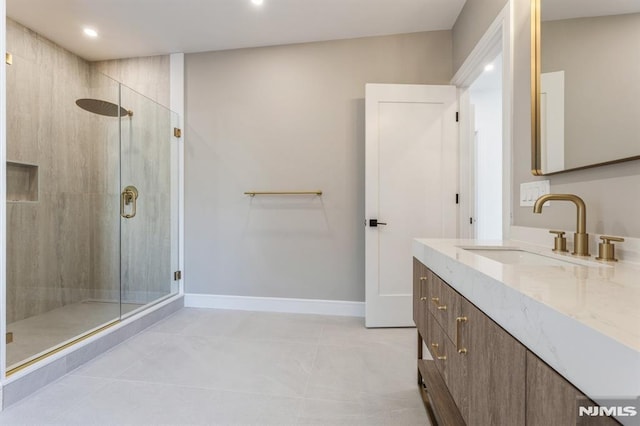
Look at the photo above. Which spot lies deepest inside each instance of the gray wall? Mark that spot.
(148, 76)
(610, 192)
(473, 21)
(287, 118)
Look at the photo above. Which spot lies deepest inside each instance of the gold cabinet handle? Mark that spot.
(436, 301)
(459, 322)
(435, 347)
(422, 296)
(129, 196)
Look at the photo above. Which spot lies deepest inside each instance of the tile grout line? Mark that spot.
(183, 386)
(58, 383)
(313, 365)
(167, 337)
(86, 396)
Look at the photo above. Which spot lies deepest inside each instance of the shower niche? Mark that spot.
(82, 254)
(22, 182)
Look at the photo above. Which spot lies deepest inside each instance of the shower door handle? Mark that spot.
(129, 196)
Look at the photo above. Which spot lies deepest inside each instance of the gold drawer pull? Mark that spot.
(459, 322)
(435, 347)
(436, 301)
(422, 298)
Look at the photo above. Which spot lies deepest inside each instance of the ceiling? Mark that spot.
(131, 28)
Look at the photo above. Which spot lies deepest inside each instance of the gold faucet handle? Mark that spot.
(559, 242)
(607, 239)
(606, 250)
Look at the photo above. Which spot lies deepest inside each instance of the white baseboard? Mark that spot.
(275, 304)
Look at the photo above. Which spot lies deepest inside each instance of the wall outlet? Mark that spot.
(530, 191)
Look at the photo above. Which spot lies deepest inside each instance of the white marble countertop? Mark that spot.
(581, 319)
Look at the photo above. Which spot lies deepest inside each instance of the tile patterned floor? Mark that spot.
(215, 367)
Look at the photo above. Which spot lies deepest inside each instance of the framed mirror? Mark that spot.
(585, 82)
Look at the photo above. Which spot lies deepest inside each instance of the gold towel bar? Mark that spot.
(254, 193)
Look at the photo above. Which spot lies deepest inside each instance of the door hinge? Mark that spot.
(177, 132)
(457, 116)
(9, 337)
(470, 221)
(177, 275)
(457, 198)
(8, 58)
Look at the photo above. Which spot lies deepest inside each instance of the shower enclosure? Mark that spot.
(92, 203)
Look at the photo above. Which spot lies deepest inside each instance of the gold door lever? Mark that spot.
(129, 196)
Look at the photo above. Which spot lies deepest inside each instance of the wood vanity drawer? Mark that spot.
(451, 365)
(445, 304)
(421, 277)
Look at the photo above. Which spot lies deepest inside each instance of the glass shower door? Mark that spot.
(91, 207)
(148, 202)
(63, 232)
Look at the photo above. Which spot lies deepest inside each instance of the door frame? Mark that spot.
(496, 38)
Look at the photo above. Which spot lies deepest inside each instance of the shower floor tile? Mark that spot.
(40, 333)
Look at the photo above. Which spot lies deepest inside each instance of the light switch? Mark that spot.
(531, 191)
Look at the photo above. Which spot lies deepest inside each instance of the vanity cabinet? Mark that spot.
(488, 376)
(482, 366)
(551, 399)
(496, 370)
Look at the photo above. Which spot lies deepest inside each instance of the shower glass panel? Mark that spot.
(92, 200)
(148, 202)
(63, 237)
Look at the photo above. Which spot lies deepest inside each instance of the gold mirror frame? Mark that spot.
(536, 69)
(536, 155)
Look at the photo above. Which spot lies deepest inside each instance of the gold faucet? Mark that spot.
(580, 238)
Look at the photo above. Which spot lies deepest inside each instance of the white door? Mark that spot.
(411, 180)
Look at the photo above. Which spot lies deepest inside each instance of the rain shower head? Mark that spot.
(97, 106)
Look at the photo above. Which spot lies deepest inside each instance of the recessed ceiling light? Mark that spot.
(90, 32)
(489, 67)
(257, 2)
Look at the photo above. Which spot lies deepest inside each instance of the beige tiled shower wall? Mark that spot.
(148, 76)
(65, 247)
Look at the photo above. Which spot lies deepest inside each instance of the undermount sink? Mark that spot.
(518, 256)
